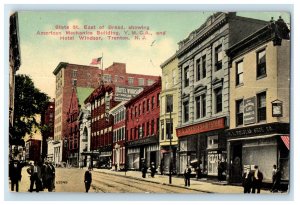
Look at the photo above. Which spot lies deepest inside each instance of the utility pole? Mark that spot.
(169, 102)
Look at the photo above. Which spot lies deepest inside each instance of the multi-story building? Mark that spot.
(118, 154)
(204, 90)
(33, 150)
(72, 134)
(142, 127)
(68, 76)
(168, 140)
(116, 86)
(47, 123)
(260, 99)
(14, 65)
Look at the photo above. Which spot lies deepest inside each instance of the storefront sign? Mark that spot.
(270, 128)
(125, 93)
(202, 127)
(250, 111)
(143, 141)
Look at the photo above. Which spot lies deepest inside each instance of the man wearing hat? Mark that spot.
(15, 176)
(88, 179)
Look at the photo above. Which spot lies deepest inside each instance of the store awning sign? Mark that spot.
(286, 141)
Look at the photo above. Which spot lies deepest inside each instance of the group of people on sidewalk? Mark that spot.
(42, 176)
(252, 180)
(145, 169)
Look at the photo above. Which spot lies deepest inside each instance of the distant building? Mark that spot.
(142, 127)
(169, 103)
(260, 102)
(33, 150)
(47, 123)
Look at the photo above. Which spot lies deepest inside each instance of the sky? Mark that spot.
(40, 54)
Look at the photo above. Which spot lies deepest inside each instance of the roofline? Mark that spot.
(59, 67)
(169, 60)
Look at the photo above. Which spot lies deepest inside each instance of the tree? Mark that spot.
(29, 102)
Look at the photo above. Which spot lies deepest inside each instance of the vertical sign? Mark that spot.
(107, 106)
(250, 110)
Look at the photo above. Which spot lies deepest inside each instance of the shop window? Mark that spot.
(218, 100)
(239, 73)
(261, 70)
(212, 142)
(261, 107)
(239, 112)
(169, 127)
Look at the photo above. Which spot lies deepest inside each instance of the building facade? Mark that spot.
(72, 134)
(33, 150)
(204, 90)
(260, 99)
(168, 140)
(69, 76)
(119, 131)
(47, 123)
(142, 127)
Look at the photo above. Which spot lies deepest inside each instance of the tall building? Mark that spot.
(68, 76)
(116, 86)
(168, 140)
(204, 90)
(142, 127)
(260, 99)
(47, 123)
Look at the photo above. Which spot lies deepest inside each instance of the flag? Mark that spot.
(96, 61)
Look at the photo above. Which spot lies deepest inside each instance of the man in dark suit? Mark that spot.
(187, 176)
(35, 176)
(88, 179)
(257, 180)
(15, 170)
(247, 181)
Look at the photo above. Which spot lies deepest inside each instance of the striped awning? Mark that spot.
(286, 141)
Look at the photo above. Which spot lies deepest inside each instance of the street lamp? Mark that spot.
(169, 104)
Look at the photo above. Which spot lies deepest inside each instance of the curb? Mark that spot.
(155, 182)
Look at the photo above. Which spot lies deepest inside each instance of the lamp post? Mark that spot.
(169, 104)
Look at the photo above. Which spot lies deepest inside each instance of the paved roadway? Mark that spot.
(71, 180)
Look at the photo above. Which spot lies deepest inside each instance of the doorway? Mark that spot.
(236, 163)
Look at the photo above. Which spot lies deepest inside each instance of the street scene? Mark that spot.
(115, 102)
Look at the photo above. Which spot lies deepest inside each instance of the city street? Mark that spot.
(71, 180)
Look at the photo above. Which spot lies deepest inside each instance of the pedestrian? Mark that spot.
(144, 169)
(187, 176)
(44, 175)
(53, 174)
(276, 179)
(257, 180)
(153, 169)
(88, 179)
(15, 170)
(35, 177)
(247, 181)
(49, 176)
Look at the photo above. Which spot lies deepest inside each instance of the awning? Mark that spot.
(286, 141)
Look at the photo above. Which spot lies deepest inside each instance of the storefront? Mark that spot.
(263, 145)
(167, 158)
(202, 146)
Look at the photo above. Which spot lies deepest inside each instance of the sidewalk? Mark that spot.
(201, 185)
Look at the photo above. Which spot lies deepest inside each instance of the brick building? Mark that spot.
(71, 140)
(47, 122)
(116, 86)
(68, 76)
(142, 127)
(33, 150)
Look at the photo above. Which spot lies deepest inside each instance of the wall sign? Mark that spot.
(250, 111)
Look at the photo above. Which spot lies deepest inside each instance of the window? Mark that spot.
(141, 81)
(169, 103)
(162, 130)
(150, 82)
(169, 127)
(107, 78)
(218, 58)
(212, 142)
(144, 106)
(140, 131)
(157, 126)
(148, 104)
(203, 104)
(261, 63)
(239, 112)
(74, 82)
(197, 100)
(140, 109)
(130, 80)
(152, 127)
(261, 106)
(74, 73)
(204, 66)
(148, 129)
(186, 76)
(218, 98)
(239, 73)
(153, 100)
(198, 69)
(185, 111)
(135, 111)
(157, 100)
(116, 78)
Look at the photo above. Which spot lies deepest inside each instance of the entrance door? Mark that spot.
(236, 169)
(153, 157)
